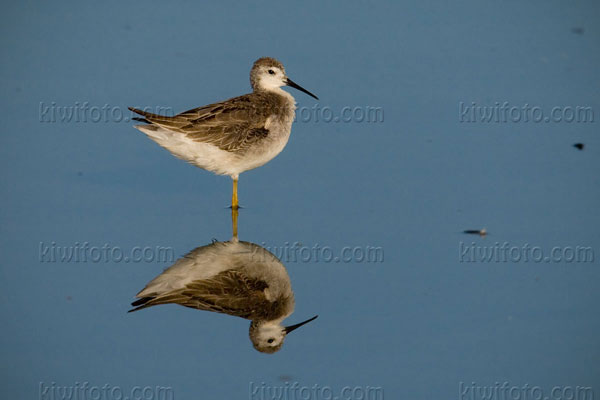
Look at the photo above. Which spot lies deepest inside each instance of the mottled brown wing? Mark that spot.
(228, 292)
(232, 125)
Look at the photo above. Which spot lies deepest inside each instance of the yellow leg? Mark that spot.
(234, 221)
(234, 197)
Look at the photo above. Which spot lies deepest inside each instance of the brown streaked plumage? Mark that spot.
(236, 278)
(235, 135)
(233, 125)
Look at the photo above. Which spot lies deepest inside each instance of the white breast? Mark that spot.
(279, 126)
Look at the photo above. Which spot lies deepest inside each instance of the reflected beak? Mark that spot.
(291, 83)
(290, 328)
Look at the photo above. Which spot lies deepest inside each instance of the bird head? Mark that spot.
(269, 74)
(268, 336)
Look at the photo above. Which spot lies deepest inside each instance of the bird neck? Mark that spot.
(277, 91)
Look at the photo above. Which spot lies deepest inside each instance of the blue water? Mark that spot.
(416, 324)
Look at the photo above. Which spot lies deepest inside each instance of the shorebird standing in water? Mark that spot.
(235, 135)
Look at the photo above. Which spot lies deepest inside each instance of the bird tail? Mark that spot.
(141, 304)
(154, 121)
(144, 120)
(147, 115)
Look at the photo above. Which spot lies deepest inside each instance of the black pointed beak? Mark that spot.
(291, 83)
(290, 328)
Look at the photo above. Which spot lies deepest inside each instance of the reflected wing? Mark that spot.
(232, 125)
(229, 292)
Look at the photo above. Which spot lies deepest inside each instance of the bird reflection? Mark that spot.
(238, 278)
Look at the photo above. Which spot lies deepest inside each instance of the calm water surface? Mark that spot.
(421, 321)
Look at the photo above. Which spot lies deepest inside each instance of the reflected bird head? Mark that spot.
(268, 336)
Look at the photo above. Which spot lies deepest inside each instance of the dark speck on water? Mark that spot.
(480, 232)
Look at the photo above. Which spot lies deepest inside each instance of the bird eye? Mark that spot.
(271, 72)
(271, 340)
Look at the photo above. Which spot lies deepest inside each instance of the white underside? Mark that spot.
(200, 154)
(207, 261)
(219, 161)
